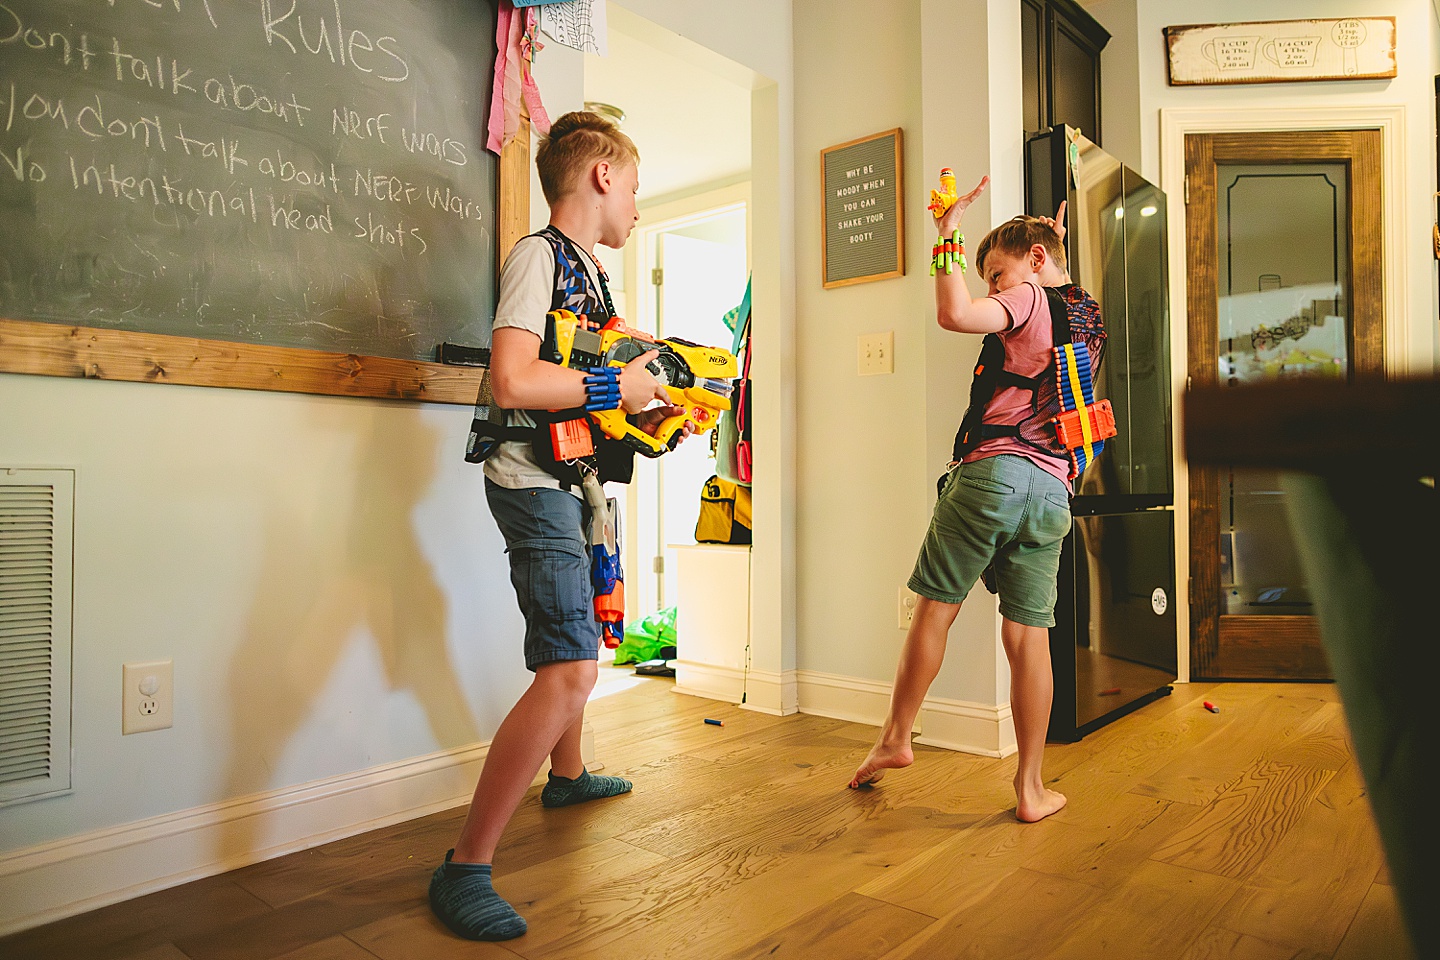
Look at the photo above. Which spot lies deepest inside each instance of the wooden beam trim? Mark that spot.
(59, 350)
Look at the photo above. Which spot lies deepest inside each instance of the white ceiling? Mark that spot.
(691, 126)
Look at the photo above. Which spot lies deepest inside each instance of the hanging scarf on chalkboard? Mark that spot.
(515, 44)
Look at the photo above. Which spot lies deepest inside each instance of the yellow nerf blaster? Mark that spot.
(700, 379)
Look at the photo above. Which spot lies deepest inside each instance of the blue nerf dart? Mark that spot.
(715, 723)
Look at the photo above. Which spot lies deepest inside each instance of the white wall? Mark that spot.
(1120, 124)
(871, 448)
(324, 573)
(861, 462)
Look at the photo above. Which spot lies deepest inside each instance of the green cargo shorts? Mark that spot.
(1004, 510)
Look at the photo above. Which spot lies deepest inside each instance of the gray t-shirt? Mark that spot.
(527, 284)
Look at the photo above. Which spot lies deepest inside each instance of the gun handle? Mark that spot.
(669, 433)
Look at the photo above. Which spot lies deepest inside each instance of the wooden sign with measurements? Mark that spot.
(1281, 51)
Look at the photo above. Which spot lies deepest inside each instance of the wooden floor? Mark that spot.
(1244, 834)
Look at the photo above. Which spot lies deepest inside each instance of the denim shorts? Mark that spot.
(1002, 510)
(550, 570)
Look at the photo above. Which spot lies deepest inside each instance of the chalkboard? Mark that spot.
(291, 173)
(864, 228)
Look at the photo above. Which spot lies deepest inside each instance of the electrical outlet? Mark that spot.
(875, 353)
(148, 702)
(908, 599)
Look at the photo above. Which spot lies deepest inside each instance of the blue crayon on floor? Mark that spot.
(715, 723)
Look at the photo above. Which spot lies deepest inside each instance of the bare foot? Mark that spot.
(1033, 806)
(882, 757)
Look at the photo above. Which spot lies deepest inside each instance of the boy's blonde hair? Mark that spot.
(575, 142)
(1016, 237)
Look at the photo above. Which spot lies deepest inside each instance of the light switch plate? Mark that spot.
(875, 353)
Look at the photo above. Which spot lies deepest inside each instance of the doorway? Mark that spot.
(1284, 251)
(694, 136)
(698, 268)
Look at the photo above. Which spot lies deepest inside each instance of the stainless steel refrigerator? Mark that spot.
(1113, 646)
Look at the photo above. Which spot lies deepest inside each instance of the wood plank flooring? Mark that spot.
(1188, 836)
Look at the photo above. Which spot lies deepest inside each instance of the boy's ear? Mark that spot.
(1039, 255)
(603, 175)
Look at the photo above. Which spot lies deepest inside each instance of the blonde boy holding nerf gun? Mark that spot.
(588, 171)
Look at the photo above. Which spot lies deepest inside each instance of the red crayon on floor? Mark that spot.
(1210, 706)
(715, 723)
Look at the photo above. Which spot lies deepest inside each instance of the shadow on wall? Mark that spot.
(334, 562)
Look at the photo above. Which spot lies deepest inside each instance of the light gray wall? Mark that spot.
(870, 448)
(323, 572)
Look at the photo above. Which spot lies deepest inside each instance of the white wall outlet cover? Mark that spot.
(908, 599)
(147, 700)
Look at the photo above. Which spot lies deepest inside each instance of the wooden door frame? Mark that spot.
(1292, 648)
(1175, 123)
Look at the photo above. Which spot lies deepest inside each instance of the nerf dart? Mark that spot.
(943, 199)
(1083, 425)
(606, 576)
(715, 723)
(1211, 707)
(948, 253)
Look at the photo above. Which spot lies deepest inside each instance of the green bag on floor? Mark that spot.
(643, 640)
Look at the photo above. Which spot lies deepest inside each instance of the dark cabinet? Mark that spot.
(1060, 59)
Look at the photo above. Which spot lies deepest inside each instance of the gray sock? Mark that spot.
(562, 792)
(464, 900)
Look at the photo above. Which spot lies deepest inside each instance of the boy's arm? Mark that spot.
(520, 380)
(954, 309)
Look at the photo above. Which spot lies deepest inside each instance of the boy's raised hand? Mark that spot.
(1058, 222)
(638, 385)
(949, 222)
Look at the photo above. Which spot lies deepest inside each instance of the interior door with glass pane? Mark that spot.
(1284, 256)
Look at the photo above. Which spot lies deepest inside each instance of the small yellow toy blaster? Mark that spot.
(700, 379)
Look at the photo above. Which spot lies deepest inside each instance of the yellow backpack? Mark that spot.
(724, 512)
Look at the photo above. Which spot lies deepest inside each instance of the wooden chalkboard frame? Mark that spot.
(895, 136)
(58, 350)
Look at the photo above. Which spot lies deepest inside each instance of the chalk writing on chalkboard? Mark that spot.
(300, 173)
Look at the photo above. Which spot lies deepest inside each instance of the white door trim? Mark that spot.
(656, 218)
(1175, 123)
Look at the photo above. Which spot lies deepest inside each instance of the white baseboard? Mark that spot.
(757, 690)
(66, 877)
(843, 698)
(772, 693)
(953, 724)
(709, 681)
(967, 727)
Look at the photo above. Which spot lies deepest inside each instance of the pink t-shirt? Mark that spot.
(1028, 350)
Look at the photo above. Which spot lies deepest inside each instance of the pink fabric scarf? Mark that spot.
(515, 45)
